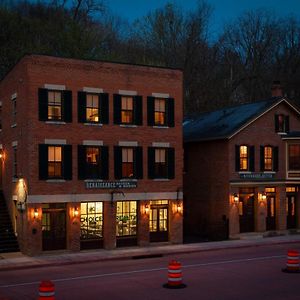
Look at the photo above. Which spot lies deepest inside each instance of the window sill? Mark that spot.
(56, 122)
(128, 125)
(55, 180)
(282, 133)
(245, 172)
(93, 124)
(162, 127)
(269, 172)
(129, 179)
(13, 125)
(161, 179)
(94, 180)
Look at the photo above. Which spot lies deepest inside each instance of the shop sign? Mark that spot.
(110, 184)
(256, 176)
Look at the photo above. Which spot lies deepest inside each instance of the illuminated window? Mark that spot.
(127, 110)
(294, 157)
(54, 161)
(270, 190)
(268, 158)
(91, 220)
(92, 108)
(93, 162)
(54, 105)
(244, 158)
(291, 189)
(161, 170)
(127, 163)
(126, 218)
(159, 112)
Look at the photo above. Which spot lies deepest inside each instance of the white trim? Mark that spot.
(92, 143)
(103, 197)
(127, 93)
(290, 138)
(55, 122)
(93, 124)
(14, 96)
(266, 111)
(58, 87)
(256, 183)
(15, 197)
(161, 145)
(128, 126)
(161, 127)
(160, 95)
(13, 125)
(128, 144)
(55, 142)
(55, 180)
(93, 90)
(14, 144)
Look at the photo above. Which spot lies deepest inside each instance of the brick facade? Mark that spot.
(33, 72)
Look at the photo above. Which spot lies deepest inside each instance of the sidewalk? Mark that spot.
(14, 261)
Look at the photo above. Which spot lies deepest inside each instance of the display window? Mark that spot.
(126, 218)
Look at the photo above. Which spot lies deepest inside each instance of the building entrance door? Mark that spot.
(246, 212)
(271, 219)
(158, 221)
(54, 226)
(291, 211)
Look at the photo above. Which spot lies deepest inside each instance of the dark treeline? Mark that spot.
(238, 66)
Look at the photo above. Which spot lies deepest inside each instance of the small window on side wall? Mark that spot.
(244, 158)
(282, 123)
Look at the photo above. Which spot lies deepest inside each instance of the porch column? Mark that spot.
(260, 209)
(281, 207)
(234, 217)
(109, 225)
(176, 221)
(143, 233)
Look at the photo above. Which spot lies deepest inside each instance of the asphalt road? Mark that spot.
(248, 273)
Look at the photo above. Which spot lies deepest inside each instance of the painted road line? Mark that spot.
(147, 270)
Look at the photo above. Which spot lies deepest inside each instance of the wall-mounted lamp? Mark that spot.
(1, 154)
(235, 198)
(76, 212)
(35, 213)
(264, 196)
(179, 207)
(147, 209)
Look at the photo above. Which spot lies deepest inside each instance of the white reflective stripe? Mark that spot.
(293, 257)
(174, 271)
(175, 279)
(46, 293)
(291, 265)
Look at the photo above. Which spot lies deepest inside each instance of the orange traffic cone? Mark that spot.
(174, 276)
(292, 264)
(46, 290)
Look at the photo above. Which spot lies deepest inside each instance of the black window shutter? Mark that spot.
(170, 113)
(287, 124)
(67, 162)
(118, 162)
(117, 109)
(104, 162)
(81, 107)
(138, 110)
(43, 104)
(237, 158)
(150, 111)
(171, 163)
(276, 123)
(275, 159)
(43, 161)
(104, 108)
(251, 158)
(262, 158)
(81, 162)
(67, 106)
(151, 162)
(138, 151)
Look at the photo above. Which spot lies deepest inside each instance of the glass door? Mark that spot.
(158, 221)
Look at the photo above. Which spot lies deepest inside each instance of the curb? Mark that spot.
(141, 255)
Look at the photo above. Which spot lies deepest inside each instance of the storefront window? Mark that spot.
(126, 218)
(91, 220)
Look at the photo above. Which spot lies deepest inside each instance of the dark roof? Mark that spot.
(291, 135)
(223, 123)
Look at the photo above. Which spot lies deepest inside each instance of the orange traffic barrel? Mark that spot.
(46, 290)
(174, 276)
(292, 264)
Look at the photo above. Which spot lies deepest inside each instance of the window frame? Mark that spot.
(120, 217)
(60, 118)
(90, 166)
(160, 168)
(245, 159)
(15, 162)
(126, 110)
(14, 110)
(164, 113)
(60, 163)
(132, 163)
(98, 108)
(269, 158)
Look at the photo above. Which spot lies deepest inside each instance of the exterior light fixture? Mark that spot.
(235, 198)
(76, 212)
(147, 209)
(35, 213)
(179, 207)
(264, 196)
(1, 154)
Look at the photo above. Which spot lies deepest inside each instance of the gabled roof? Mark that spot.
(227, 122)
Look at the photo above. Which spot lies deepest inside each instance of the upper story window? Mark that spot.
(55, 105)
(268, 158)
(128, 110)
(161, 163)
(55, 162)
(294, 157)
(128, 162)
(92, 162)
(92, 108)
(160, 111)
(14, 110)
(282, 123)
(244, 156)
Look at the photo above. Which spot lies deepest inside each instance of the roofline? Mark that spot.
(89, 60)
(263, 113)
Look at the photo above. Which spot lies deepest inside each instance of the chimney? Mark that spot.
(276, 89)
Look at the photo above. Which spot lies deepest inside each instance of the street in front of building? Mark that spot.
(244, 273)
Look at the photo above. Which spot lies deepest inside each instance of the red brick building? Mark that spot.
(92, 153)
(242, 170)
